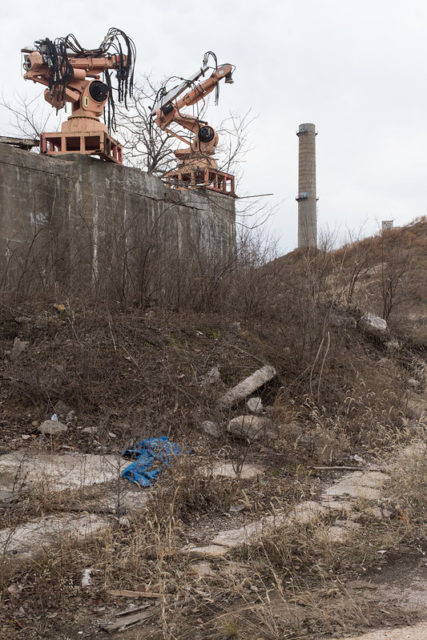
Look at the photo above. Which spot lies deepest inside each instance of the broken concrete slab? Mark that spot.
(208, 551)
(253, 428)
(52, 427)
(361, 484)
(22, 470)
(366, 485)
(31, 538)
(247, 387)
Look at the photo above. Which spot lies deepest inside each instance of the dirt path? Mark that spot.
(418, 632)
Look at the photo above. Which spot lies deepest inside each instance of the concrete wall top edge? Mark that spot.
(74, 166)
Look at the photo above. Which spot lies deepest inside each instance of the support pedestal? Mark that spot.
(188, 177)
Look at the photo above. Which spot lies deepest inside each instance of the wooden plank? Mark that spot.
(126, 593)
(123, 622)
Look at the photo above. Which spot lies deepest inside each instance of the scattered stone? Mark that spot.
(19, 347)
(237, 508)
(373, 324)
(52, 427)
(212, 377)
(202, 570)
(211, 428)
(252, 428)
(412, 383)
(254, 405)
(247, 387)
(90, 430)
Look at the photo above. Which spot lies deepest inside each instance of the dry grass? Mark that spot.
(135, 373)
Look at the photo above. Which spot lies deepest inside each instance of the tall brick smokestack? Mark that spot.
(307, 199)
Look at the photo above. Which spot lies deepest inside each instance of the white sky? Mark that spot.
(356, 69)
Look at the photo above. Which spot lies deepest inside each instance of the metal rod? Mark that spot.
(258, 195)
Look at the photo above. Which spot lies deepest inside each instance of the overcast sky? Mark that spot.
(357, 70)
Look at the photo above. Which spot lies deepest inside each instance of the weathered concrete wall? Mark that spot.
(80, 225)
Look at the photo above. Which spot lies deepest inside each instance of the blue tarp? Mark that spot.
(151, 456)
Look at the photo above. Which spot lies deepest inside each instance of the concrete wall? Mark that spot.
(307, 198)
(79, 225)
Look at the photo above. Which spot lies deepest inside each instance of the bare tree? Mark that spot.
(395, 264)
(29, 116)
(145, 144)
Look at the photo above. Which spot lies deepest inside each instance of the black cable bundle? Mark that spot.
(57, 56)
(60, 70)
(206, 57)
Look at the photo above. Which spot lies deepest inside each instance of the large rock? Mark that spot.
(52, 427)
(247, 386)
(252, 428)
(373, 324)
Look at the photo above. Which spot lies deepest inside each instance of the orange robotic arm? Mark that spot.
(87, 95)
(167, 111)
(72, 73)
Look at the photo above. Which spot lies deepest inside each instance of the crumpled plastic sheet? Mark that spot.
(151, 456)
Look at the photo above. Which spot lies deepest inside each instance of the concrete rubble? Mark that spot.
(247, 387)
(252, 428)
(52, 427)
(211, 428)
(212, 377)
(255, 405)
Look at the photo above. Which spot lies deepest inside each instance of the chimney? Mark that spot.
(306, 198)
